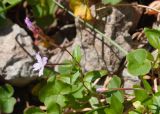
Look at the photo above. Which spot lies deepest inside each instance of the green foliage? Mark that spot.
(153, 37)
(113, 2)
(43, 11)
(7, 102)
(155, 105)
(70, 89)
(147, 86)
(94, 102)
(66, 69)
(34, 110)
(56, 87)
(49, 72)
(116, 107)
(53, 107)
(11, 2)
(139, 62)
(4, 8)
(77, 53)
(115, 83)
(93, 75)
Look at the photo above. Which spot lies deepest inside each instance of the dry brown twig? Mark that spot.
(137, 5)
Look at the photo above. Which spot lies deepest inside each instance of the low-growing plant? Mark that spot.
(70, 90)
(7, 102)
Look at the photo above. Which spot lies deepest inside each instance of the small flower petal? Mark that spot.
(28, 23)
(41, 71)
(36, 66)
(39, 59)
(41, 62)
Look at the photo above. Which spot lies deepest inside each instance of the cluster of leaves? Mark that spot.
(71, 90)
(44, 10)
(4, 6)
(7, 102)
(142, 63)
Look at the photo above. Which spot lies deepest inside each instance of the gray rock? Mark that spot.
(115, 22)
(15, 63)
(129, 81)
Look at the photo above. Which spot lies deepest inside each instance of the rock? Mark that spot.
(15, 63)
(129, 81)
(115, 22)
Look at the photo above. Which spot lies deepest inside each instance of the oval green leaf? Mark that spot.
(153, 37)
(138, 62)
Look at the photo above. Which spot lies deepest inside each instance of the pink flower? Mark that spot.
(41, 62)
(29, 24)
(32, 27)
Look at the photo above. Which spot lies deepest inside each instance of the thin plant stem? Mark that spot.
(57, 64)
(118, 89)
(93, 28)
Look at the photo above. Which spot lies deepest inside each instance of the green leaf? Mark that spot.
(74, 77)
(49, 72)
(94, 102)
(139, 107)
(99, 110)
(66, 69)
(77, 53)
(6, 91)
(115, 82)
(59, 99)
(93, 75)
(153, 37)
(142, 96)
(6, 101)
(53, 108)
(147, 86)
(155, 106)
(70, 79)
(65, 78)
(77, 90)
(33, 110)
(116, 107)
(43, 11)
(138, 63)
(54, 88)
(113, 2)
(11, 1)
(7, 104)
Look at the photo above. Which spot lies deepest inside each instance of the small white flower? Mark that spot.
(41, 62)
